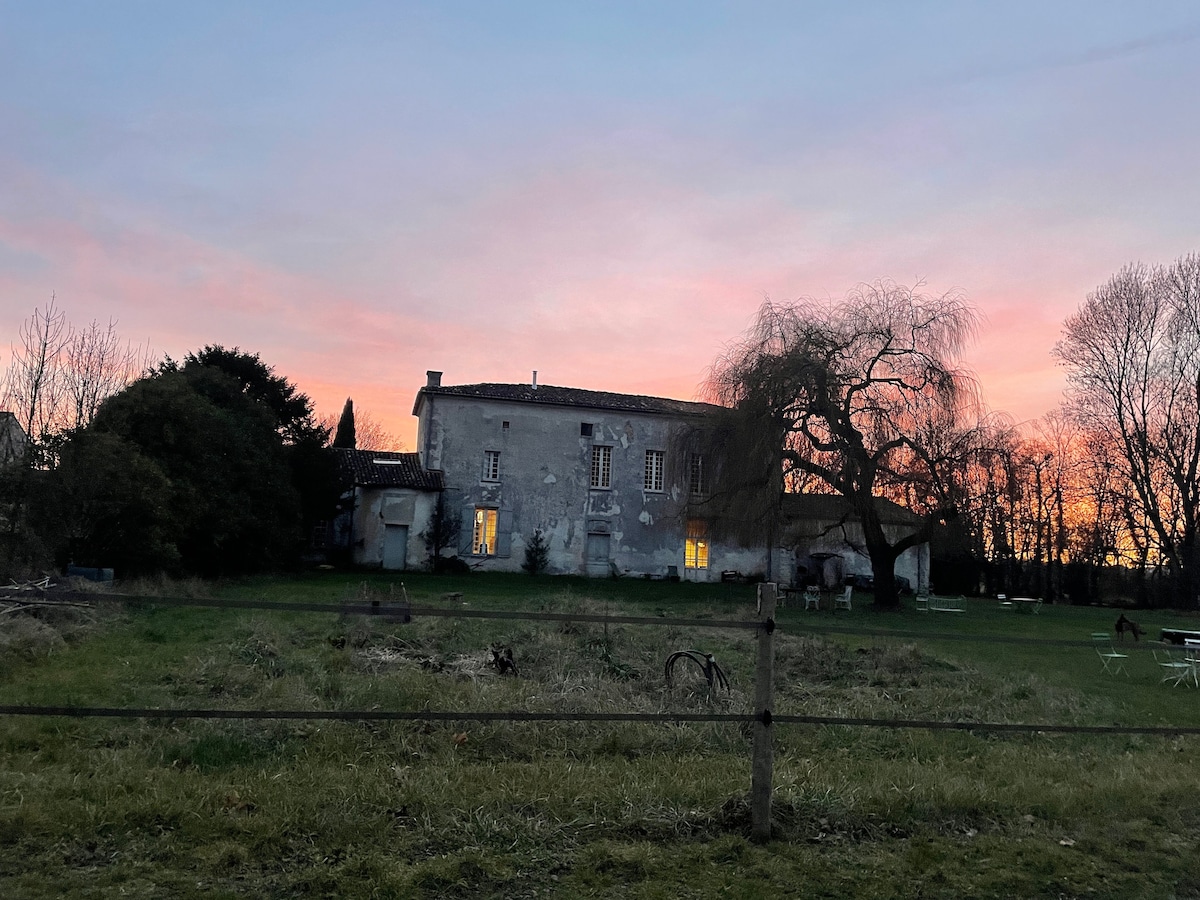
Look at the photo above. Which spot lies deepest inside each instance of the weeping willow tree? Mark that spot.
(863, 398)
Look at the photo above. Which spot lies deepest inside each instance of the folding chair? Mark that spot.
(1005, 603)
(1113, 661)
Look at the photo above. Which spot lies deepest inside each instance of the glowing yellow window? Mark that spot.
(483, 539)
(695, 547)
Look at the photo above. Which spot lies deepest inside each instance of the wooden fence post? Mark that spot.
(763, 762)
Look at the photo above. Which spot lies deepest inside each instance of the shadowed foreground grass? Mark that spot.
(121, 807)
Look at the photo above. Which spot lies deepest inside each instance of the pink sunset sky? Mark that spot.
(605, 193)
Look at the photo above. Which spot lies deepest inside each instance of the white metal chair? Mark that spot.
(812, 597)
(843, 602)
(1175, 668)
(1005, 603)
(1191, 656)
(1113, 661)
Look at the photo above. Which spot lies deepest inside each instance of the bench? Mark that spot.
(946, 604)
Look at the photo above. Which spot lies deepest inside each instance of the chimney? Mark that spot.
(535, 379)
(433, 379)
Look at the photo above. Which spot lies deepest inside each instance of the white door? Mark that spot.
(395, 546)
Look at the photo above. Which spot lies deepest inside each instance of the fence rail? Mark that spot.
(762, 719)
(383, 715)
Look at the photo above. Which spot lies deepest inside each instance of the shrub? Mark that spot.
(537, 553)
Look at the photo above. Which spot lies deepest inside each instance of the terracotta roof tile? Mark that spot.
(576, 397)
(386, 468)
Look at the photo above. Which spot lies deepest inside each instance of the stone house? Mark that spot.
(608, 479)
(598, 473)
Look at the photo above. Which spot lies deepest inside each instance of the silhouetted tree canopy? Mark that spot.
(213, 467)
(862, 398)
(1132, 354)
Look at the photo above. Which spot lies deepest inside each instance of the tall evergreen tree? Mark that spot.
(345, 436)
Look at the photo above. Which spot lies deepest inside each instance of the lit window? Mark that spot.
(654, 470)
(483, 539)
(491, 465)
(602, 467)
(696, 476)
(695, 547)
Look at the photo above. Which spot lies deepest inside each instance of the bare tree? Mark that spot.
(97, 364)
(34, 385)
(1132, 354)
(58, 376)
(862, 397)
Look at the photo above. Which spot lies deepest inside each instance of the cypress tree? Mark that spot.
(345, 427)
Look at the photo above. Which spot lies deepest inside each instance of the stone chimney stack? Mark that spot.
(433, 379)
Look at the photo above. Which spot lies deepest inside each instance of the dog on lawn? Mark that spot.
(1127, 625)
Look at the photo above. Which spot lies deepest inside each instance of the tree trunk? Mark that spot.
(883, 568)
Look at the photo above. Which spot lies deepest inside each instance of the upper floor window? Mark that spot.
(585, 429)
(696, 483)
(491, 465)
(654, 470)
(602, 467)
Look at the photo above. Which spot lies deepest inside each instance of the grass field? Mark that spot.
(299, 808)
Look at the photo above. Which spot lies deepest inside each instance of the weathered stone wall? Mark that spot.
(544, 482)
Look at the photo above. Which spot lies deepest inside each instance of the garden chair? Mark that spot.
(1191, 656)
(1113, 661)
(812, 597)
(1175, 668)
(1005, 603)
(843, 602)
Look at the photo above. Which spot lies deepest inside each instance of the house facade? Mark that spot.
(599, 474)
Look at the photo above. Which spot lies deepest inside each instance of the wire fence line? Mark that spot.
(383, 715)
(392, 610)
(405, 612)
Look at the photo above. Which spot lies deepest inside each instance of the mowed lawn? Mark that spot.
(177, 807)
